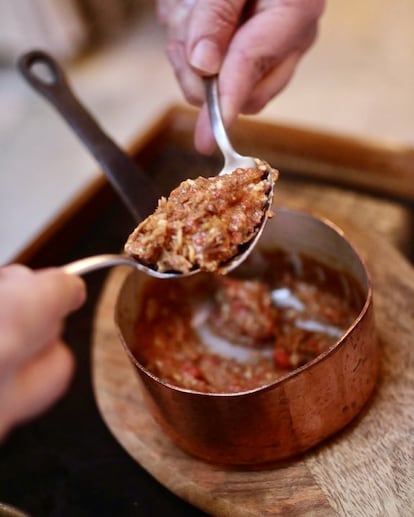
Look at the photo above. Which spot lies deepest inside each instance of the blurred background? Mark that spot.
(358, 79)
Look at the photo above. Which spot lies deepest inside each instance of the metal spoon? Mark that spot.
(95, 262)
(232, 161)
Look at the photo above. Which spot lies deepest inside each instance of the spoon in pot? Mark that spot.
(232, 159)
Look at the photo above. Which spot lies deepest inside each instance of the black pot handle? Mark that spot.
(133, 185)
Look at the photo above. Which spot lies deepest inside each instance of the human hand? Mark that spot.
(255, 45)
(35, 364)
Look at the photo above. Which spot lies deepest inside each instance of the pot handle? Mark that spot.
(133, 186)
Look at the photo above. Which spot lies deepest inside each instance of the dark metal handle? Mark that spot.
(132, 184)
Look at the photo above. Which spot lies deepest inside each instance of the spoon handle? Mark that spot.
(135, 189)
(95, 262)
(216, 119)
(232, 159)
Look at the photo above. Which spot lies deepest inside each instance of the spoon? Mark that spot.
(132, 185)
(95, 262)
(232, 161)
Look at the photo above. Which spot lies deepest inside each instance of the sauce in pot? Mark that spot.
(226, 334)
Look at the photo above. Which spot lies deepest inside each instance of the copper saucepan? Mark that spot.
(293, 413)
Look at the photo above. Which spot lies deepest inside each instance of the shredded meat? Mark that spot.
(204, 221)
(243, 311)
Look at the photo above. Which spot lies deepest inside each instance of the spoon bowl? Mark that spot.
(232, 161)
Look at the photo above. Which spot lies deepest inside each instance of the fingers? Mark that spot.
(272, 84)
(204, 140)
(35, 365)
(198, 35)
(190, 82)
(34, 387)
(37, 303)
(265, 89)
(211, 27)
(254, 45)
(176, 22)
(262, 57)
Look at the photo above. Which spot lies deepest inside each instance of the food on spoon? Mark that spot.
(226, 334)
(243, 311)
(204, 221)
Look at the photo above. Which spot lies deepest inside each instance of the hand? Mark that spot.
(255, 45)
(35, 364)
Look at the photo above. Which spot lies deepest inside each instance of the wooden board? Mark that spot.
(367, 469)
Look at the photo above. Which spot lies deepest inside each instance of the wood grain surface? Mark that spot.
(365, 470)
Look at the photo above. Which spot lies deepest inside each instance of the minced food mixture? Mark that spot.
(204, 221)
(226, 334)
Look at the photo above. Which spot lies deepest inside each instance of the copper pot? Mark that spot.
(293, 413)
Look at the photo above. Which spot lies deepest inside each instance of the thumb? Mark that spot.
(211, 26)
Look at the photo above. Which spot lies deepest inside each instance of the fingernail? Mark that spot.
(206, 57)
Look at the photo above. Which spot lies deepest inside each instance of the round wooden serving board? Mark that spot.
(366, 470)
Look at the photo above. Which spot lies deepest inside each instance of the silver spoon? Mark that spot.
(232, 161)
(131, 184)
(95, 262)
